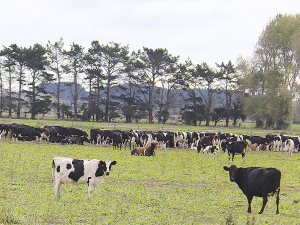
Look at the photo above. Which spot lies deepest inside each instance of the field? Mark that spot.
(176, 186)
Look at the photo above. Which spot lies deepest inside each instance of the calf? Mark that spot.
(210, 150)
(76, 171)
(256, 181)
(147, 151)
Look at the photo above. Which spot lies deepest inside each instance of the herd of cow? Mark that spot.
(211, 143)
(253, 181)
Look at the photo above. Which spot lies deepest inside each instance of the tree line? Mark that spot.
(148, 82)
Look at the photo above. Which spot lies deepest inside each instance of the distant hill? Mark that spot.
(67, 97)
(67, 89)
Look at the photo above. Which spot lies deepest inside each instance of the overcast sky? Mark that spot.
(204, 30)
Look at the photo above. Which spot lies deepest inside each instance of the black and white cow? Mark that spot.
(92, 172)
(289, 146)
(212, 150)
(256, 181)
(75, 140)
(4, 130)
(236, 147)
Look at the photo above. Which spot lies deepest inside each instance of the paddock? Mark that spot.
(177, 185)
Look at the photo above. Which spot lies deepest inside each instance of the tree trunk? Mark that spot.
(75, 96)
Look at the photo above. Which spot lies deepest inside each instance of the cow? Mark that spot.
(259, 141)
(212, 150)
(205, 141)
(146, 151)
(27, 132)
(58, 139)
(170, 139)
(74, 140)
(68, 170)
(4, 129)
(58, 131)
(44, 133)
(146, 139)
(252, 147)
(117, 140)
(161, 139)
(126, 139)
(236, 147)
(76, 132)
(101, 136)
(256, 181)
(289, 146)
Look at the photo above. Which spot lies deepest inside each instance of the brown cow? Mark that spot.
(147, 151)
(205, 141)
(252, 147)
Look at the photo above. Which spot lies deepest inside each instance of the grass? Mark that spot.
(176, 186)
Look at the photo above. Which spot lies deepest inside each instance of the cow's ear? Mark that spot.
(226, 168)
(113, 162)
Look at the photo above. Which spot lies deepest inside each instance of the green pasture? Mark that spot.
(176, 186)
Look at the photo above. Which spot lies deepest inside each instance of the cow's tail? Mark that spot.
(53, 168)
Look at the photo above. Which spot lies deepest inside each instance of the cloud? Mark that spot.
(204, 30)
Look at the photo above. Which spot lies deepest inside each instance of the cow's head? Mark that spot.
(106, 166)
(232, 172)
(153, 145)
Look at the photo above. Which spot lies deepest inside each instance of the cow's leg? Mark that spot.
(57, 187)
(265, 200)
(249, 197)
(229, 158)
(90, 189)
(277, 200)
(243, 156)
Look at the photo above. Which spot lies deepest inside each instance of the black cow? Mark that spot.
(58, 131)
(117, 140)
(57, 139)
(170, 139)
(77, 132)
(236, 147)
(126, 138)
(259, 140)
(256, 181)
(27, 132)
(94, 135)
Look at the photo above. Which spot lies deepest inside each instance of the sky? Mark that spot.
(211, 31)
